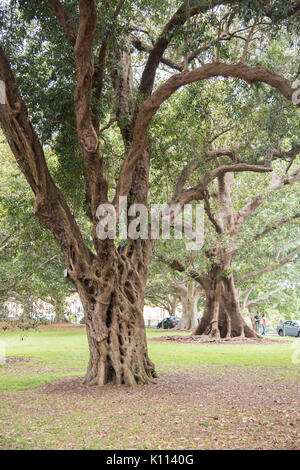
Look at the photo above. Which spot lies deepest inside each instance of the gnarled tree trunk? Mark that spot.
(113, 300)
(222, 316)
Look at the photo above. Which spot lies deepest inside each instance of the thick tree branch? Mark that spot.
(179, 19)
(210, 214)
(182, 179)
(213, 154)
(292, 153)
(83, 56)
(98, 77)
(87, 137)
(245, 299)
(122, 80)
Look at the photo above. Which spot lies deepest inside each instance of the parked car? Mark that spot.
(289, 328)
(168, 323)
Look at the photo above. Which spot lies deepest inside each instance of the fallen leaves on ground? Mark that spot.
(211, 408)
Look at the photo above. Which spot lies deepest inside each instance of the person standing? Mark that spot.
(264, 324)
(257, 321)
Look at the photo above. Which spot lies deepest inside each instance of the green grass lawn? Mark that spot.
(61, 353)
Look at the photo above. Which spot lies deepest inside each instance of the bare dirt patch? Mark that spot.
(15, 360)
(13, 326)
(62, 326)
(196, 339)
(230, 384)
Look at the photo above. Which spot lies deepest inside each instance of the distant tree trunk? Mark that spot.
(189, 314)
(222, 316)
(253, 322)
(188, 296)
(172, 302)
(59, 311)
(58, 318)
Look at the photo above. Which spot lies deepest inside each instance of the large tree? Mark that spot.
(96, 51)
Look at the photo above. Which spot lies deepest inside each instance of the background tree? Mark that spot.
(262, 252)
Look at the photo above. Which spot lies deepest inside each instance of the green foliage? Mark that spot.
(31, 265)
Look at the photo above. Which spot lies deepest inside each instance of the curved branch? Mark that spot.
(179, 19)
(184, 175)
(198, 192)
